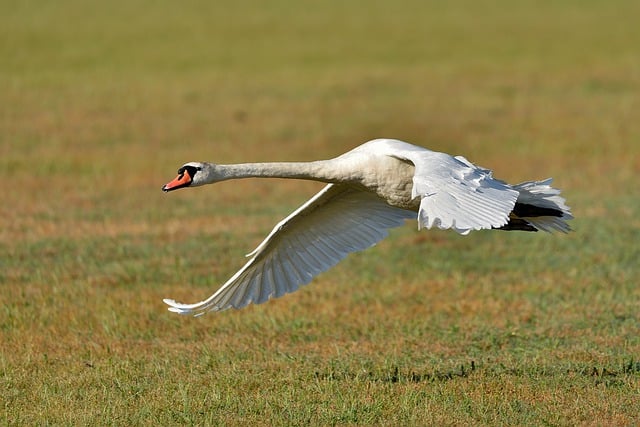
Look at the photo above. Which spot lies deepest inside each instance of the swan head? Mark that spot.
(192, 174)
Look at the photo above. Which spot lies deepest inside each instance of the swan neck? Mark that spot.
(317, 170)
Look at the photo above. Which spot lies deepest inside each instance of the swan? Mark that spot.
(370, 189)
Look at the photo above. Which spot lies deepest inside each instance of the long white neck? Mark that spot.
(322, 170)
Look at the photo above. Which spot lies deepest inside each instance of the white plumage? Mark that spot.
(371, 189)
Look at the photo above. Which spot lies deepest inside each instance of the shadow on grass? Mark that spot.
(397, 376)
(608, 376)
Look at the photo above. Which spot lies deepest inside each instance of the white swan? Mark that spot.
(372, 188)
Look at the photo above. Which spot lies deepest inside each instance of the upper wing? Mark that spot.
(459, 195)
(335, 222)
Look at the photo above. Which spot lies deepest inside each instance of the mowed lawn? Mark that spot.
(100, 103)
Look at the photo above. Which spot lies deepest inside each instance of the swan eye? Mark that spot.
(189, 170)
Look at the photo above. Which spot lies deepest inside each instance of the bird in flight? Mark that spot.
(370, 189)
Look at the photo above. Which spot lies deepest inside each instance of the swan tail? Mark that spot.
(539, 207)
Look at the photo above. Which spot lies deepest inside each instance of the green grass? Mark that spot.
(102, 102)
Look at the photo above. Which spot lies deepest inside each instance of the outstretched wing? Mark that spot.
(454, 193)
(335, 222)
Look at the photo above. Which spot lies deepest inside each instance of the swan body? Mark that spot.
(372, 188)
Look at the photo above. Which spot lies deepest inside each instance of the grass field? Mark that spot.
(101, 102)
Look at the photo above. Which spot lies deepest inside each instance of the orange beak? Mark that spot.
(182, 180)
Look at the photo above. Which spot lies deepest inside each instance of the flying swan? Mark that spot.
(371, 189)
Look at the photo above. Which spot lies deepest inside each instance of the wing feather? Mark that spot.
(335, 222)
(454, 193)
(268, 281)
(294, 276)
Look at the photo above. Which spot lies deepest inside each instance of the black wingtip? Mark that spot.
(517, 224)
(524, 210)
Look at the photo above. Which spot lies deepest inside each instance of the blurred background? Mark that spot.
(101, 102)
